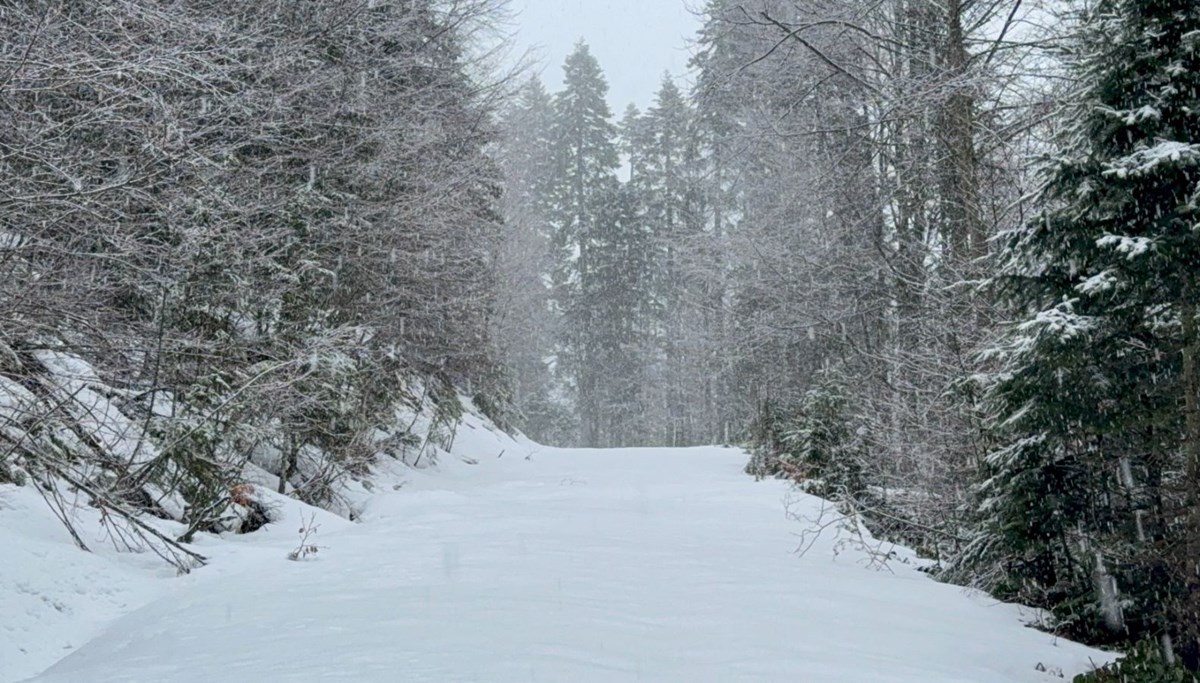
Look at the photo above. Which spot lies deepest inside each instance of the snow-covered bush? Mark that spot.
(1143, 664)
(235, 238)
(816, 442)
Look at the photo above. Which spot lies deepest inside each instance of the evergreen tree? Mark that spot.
(526, 327)
(586, 161)
(623, 269)
(673, 222)
(1090, 501)
(715, 135)
(634, 142)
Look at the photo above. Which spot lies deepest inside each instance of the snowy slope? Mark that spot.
(572, 565)
(54, 597)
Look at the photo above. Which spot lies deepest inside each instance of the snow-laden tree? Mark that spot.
(1092, 499)
(622, 335)
(842, 146)
(527, 329)
(266, 223)
(586, 161)
(669, 185)
(789, 200)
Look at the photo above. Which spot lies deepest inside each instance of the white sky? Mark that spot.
(634, 41)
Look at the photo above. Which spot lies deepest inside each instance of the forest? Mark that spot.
(934, 260)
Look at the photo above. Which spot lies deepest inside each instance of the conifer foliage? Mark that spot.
(605, 251)
(586, 159)
(1091, 502)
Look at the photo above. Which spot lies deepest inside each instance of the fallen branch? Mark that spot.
(106, 504)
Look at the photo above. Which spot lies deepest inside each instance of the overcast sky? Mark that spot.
(634, 40)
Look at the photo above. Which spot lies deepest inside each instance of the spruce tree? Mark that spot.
(586, 159)
(672, 220)
(633, 135)
(1090, 500)
(623, 269)
(525, 327)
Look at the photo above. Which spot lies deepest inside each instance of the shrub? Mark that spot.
(1143, 664)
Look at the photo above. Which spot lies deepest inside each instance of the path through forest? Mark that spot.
(571, 565)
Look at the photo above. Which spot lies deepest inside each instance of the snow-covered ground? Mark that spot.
(568, 565)
(55, 597)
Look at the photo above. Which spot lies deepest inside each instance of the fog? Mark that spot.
(635, 41)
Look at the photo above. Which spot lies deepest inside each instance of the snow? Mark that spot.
(53, 596)
(16, 403)
(1060, 321)
(514, 562)
(11, 240)
(77, 384)
(1132, 117)
(1129, 245)
(1100, 282)
(1146, 159)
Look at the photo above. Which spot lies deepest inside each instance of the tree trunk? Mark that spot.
(1189, 552)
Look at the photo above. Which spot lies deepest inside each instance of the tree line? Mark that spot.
(932, 258)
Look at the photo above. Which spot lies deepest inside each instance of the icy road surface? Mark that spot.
(572, 566)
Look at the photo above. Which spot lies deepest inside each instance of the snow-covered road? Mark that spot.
(571, 566)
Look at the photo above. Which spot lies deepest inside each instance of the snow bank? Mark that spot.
(53, 596)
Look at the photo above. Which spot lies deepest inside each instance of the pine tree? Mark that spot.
(586, 159)
(623, 271)
(672, 221)
(1091, 500)
(634, 142)
(526, 327)
(716, 137)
